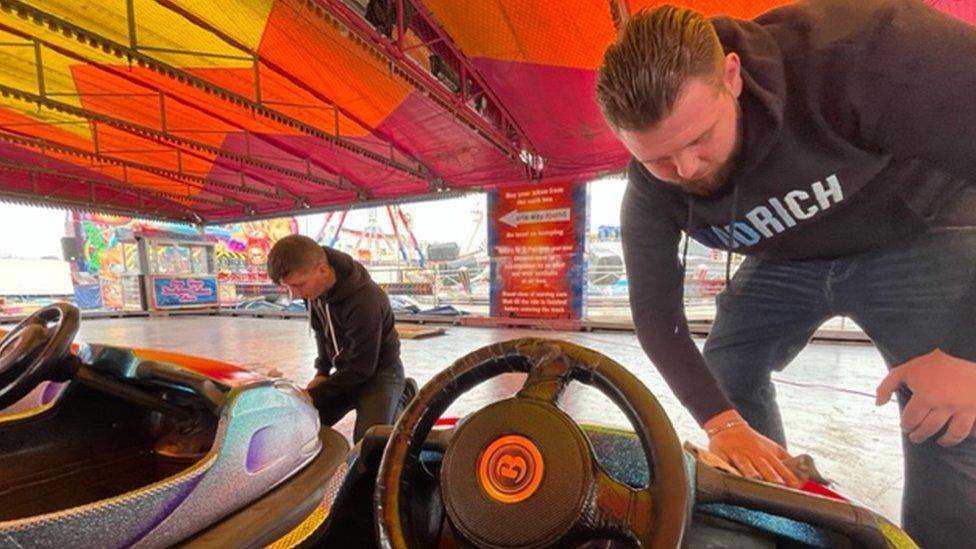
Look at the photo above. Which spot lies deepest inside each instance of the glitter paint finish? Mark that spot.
(267, 432)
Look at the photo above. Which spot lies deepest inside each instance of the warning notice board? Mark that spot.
(536, 239)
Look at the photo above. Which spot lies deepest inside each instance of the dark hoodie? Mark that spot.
(858, 121)
(354, 330)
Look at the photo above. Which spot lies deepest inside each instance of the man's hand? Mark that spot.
(754, 455)
(316, 381)
(943, 392)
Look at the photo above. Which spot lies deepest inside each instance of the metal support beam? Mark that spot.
(170, 139)
(94, 134)
(257, 82)
(39, 65)
(95, 40)
(125, 165)
(130, 16)
(142, 212)
(292, 79)
(73, 180)
(399, 24)
(202, 184)
(425, 82)
(373, 203)
(152, 90)
(162, 111)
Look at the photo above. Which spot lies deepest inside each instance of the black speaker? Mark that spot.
(70, 248)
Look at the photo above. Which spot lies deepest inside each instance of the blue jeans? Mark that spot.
(907, 299)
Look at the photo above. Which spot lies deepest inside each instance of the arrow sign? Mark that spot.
(516, 218)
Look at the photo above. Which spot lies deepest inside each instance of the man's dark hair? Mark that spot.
(655, 54)
(293, 253)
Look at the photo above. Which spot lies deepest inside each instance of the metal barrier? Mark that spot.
(606, 305)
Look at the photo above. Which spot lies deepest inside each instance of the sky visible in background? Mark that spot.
(32, 232)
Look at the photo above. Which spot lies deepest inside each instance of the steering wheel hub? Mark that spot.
(533, 466)
(510, 469)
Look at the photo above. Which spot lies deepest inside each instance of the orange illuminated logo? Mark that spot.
(510, 469)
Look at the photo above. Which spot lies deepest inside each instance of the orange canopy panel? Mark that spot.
(213, 111)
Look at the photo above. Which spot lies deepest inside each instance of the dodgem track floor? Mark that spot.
(826, 394)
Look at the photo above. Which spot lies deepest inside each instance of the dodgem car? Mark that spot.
(106, 446)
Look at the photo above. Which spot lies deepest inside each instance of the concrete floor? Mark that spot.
(826, 394)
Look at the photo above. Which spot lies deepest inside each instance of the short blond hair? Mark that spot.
(646, 67)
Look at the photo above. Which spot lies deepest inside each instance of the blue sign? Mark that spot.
(88, 296)
(181, 291)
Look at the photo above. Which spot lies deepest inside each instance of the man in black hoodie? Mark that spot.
(358, 360)
(832, 143)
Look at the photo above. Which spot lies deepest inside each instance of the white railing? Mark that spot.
(607, 297)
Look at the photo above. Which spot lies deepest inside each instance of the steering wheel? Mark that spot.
(37, 349)
(520, 472)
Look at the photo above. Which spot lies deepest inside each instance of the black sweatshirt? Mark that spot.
(354, 330)
(858, 130)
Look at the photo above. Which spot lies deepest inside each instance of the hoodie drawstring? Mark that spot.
(730, 242)
(325, 318)
(684, 253)
(332, 336)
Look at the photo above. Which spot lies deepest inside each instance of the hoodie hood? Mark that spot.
(763, 87)
(350, 276)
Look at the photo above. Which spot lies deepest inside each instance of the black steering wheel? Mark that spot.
(37, 349)
(520, 472)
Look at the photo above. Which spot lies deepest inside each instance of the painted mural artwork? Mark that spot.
(109, 263)
(108, 255)
(242, 248)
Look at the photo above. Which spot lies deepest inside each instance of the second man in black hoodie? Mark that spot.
(358, 360)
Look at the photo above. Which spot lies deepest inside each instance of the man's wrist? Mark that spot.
(711, 432)
(723, 421)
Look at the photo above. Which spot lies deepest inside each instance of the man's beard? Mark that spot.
(713, 184)
(717, 181)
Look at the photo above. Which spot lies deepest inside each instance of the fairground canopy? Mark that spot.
(211, 111)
